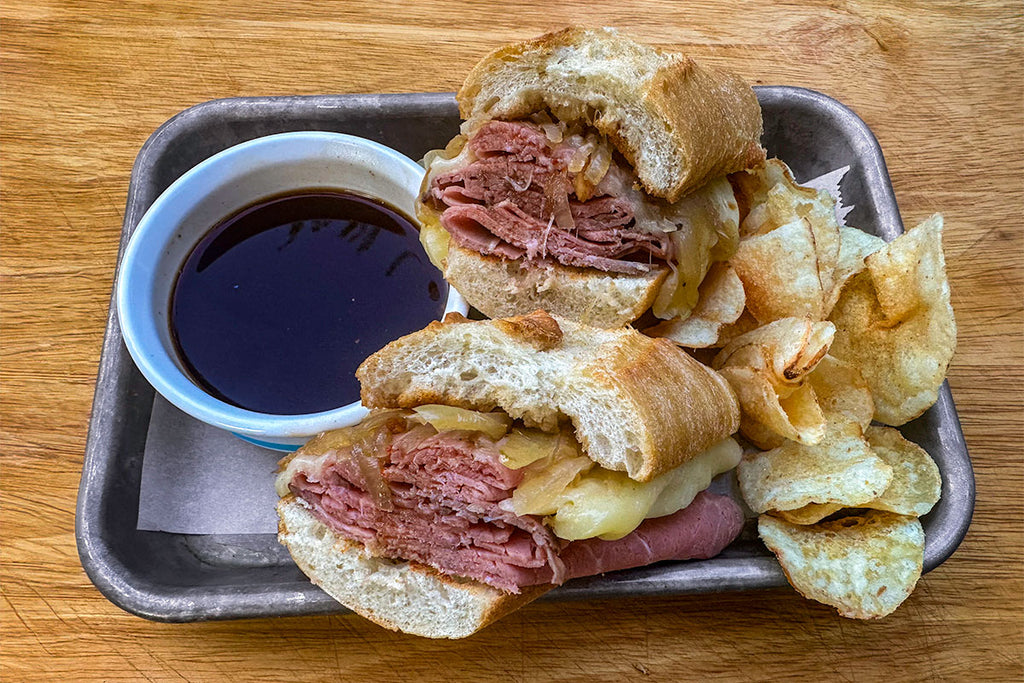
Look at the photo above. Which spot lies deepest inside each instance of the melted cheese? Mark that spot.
(610, 505)
(596, 502)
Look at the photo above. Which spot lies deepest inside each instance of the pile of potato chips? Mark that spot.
(827, 333)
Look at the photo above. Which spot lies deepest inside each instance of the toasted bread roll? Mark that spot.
(638, 404)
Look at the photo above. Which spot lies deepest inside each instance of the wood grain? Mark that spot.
(85, 83)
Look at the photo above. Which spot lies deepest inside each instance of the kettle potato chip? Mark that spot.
(818, 208)
(720, 302)
(766, 368)
(745, 323)
(790, 245)
(913, 490)
(894, 322)
(764, 437)
(751, 186)
(895, 335)
(781, 273)
(864, 566)
(792, 414)
(855, 246)
(841, 469)
(842, 392)
(785, 350)
(916, 481)
(812, 513)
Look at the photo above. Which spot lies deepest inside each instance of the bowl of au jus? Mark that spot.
(256, 284)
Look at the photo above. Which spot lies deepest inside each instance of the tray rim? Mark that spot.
(231, 601)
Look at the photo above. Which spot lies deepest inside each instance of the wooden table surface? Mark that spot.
(84, 84)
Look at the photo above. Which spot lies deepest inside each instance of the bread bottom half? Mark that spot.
(398, 595)
(500, 288)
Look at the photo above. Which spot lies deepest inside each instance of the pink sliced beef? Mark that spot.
(444, 491)
(697, 532)
(496, 205)
(436, 503)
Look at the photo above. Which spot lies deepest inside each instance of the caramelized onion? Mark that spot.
(600, 160)
(339, 439)
(454, 147)
(585, 183)
(553, 131)
(539, 492)
(367, 455)
(523, 187)
(365, 444)
(556, 201)
(580, 154)
(581, 187)
(449, 418)
(525, 446)
(541, 117)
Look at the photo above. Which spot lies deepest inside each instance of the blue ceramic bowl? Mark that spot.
(196, 202)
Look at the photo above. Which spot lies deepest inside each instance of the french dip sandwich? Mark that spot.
(502, 458)
(589, 179)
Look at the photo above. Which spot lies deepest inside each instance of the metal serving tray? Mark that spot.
(178, 577)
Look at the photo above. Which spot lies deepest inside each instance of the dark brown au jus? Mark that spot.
(280, 302)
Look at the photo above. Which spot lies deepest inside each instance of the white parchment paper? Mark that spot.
(197, 479)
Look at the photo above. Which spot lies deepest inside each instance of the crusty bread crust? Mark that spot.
(398, 595)
(638, 404)
(678, 123)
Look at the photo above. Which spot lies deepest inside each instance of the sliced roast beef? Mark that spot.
(434, 498)
(518, 140)
(503, 204)
(442, 510)
(699, 531)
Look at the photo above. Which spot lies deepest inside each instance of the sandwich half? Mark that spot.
(502, 458)
(589, 179)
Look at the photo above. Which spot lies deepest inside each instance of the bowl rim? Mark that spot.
(138, 331)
